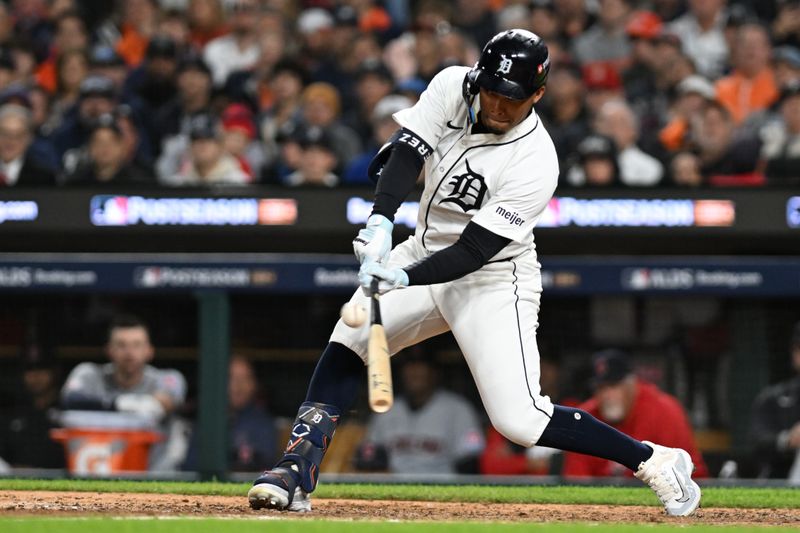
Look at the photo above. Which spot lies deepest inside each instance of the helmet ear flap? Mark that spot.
(469, 88)
(471, 80)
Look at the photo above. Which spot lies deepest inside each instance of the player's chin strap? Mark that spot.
(311, 435)
(469, 88)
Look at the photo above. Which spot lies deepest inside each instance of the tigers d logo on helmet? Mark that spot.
(505, 65)
(514, 63)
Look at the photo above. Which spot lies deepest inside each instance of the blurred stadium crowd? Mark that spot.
(684, 93)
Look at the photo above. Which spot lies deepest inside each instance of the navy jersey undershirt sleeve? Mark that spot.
(474, 248)
(399, 173)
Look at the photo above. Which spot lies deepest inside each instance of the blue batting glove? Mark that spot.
(390, 278)
(374, 242)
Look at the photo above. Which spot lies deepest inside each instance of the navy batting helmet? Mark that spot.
(514, 63)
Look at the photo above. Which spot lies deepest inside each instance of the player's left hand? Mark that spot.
(390, 278)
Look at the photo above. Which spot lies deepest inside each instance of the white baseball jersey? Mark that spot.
(502, 182)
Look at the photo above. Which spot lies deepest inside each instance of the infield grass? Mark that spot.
(732, 497)
(97, 525)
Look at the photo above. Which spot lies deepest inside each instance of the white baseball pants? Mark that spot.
(493, 315)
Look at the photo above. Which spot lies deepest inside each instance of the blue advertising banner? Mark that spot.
(308, 273)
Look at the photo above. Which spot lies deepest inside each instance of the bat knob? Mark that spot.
(381, 406)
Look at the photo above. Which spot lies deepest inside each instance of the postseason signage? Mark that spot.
(340, 209)
(754, 221)
(762, 211)
(565, 212)
(334, 273)
(561, 212)
(118, 210)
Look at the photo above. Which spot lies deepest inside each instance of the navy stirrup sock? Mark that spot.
(338, 377)
(574, 430)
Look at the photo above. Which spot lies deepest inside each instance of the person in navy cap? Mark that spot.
(97, 96)
(207, 161)
(106, 161)
(596, 164)
(154, 80)
(193, 80)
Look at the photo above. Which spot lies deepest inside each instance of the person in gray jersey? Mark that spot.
(129, 384)
(429, 430)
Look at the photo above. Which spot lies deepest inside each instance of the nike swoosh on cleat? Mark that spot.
(449, 125)
(684, 493)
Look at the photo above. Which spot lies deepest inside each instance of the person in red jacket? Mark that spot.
(636, 408)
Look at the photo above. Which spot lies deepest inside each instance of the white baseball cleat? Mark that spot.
(279, 489)
(269, 496)
(669, 474)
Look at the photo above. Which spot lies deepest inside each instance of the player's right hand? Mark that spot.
(389, 278)
(374, 242)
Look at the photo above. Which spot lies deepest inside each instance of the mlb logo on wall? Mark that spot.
(107, 210)
(147, 277)
(640, 279)
(636, 279)
(793, 212)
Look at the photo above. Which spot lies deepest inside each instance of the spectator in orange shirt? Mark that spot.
(751, 86)
(139, 22)
(72, 66)
(70, 34)
(692, 95)
(636, 408)
(371, 17)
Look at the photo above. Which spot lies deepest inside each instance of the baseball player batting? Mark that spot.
(490, 169)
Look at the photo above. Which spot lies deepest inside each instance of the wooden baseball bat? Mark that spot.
(379, 371)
